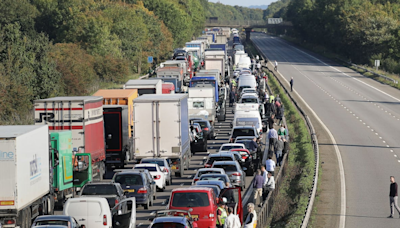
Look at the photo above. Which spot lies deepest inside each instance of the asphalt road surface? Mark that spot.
(364, 117)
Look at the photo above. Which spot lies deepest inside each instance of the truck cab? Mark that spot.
(206, 81)
(173, 75)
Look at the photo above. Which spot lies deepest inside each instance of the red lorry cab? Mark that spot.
(168, 88)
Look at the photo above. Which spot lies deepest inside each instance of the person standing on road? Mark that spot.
(251, 219)
(258, 184)
(393, 197)
(276, 66)
(270, 164)
(270, 185)
(232, 96)
(232, 221)
(265, 176)
(221, 215)
(278, 152)
(271, 120)
(259, 67)
(291, 84)
(272, 137)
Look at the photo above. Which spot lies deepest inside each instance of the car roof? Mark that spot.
(101, 183)
(243, 127)
(199, 189)
(244, 137)
(223, 163)
(241, 149)
(146, 165)
(249, 95)
(232, 144)
(220, 154)
(53, 217)
(176, 219)
(213, 175)
(130, 172)
(211, 182)
(216, 169)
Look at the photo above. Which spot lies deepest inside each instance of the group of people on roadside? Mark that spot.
(263, 183)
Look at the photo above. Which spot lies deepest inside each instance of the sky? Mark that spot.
(244, 3)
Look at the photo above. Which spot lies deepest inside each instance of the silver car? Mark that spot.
(164, 166)
(234, 172)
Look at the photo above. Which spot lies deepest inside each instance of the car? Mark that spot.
(199, 142)
(173, 218)
(201, 201)
(50, 226)
(56, 220)
(249, 98)
(246, 160)
(206, 171)
(249, 91)
(95, 212)
(234, 171)
(220, 156)
(226, 147)
(206, 127)
(164, 166)
(156, 173)
(136, 183)
(109, 190)
(246, 141)
(245, 131)
(216, 177)
(215, 188)
(220, 184)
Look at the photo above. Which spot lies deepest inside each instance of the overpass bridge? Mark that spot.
(248, 25)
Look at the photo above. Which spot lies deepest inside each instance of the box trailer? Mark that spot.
(201, 103)
(162, 129)
(83, 115)
(145, 86)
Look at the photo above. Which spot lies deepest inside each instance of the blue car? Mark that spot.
(173, 219)
(56, 221)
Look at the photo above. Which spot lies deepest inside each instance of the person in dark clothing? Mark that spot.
(231, 98)
(285, 147)
(393, 197)
(279, 114)
(258, 184)
(291, 84)
(271, 121)
(253, 145)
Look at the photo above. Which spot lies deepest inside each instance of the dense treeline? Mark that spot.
(230, 13)
(73, 47)
(360, 30)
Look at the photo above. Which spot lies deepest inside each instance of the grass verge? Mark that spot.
(292, 199)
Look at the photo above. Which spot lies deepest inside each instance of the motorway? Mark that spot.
(363, 116)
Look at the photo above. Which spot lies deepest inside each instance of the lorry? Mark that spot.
(162, 129)
(219, 45)
(200, 44)
(221, 39)
(145, 86)
(168, 88)
(38, 172)
(83, 115)
(226, 32)
(215, 60)
(206, 81)
(172, 74)
(202, 103)
(212, 34)
(237, 56)
(212, 72)
(195, 56)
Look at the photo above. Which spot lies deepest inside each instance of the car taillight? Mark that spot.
(116, 202)
(104, 220)
(206, 129)
(236, 174)
(211, 215)
(207, 166)
(157, 177)
(195, 180)
(166, 170)
(142, 190)
(9, 221)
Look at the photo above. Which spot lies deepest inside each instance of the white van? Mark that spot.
(247, 115)
(247, 81)
(94, 212)
(244, 62)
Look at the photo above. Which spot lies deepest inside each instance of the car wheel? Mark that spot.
(146, 206)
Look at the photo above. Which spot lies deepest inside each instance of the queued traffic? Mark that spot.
(157, 124)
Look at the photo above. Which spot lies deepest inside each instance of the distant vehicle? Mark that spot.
(199, 142)
(226, 147)
(249, 98)
(173, 219)
(234, 171)
(244, 131)
(156, 173)
(220, 184)
(215, 188)
(164, 166)
(247, 160)
(221, 156)
(111, 191)
(215, 177)
(94, 212)
(207, 128)
(206, 171)
(136, 183)
(56, 220)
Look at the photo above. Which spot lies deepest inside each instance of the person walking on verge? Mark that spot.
(270, 165)
(251, 219)
(278, 152)
(270, 185)
(221, 215)
(265, 176)
(276, 66)
(258, 184)
(291, 84)
(393, 197)
(272, 137)
(232, 221)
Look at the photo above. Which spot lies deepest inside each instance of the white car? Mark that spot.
(226, 147)
(164, 166)
(156, 173)
(249, 91)
(206, 171)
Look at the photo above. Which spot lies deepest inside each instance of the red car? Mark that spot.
(202, 203)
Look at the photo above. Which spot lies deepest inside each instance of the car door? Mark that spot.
(234, 200)
(124, 214)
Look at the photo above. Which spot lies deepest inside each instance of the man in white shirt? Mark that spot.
(270, 165)
(232, 221)
(270, 183)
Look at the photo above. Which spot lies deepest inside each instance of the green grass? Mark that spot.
(291, 202)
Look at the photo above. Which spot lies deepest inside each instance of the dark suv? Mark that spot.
(244, 131)
(111, 191)
(208, 130)
(136, 183)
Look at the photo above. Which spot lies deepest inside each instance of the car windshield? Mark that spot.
(249, 100)
(159, 163)
(150, 168)
(213, 159)
(51, 222)
(214, 178)
(215, 188)
(99, 189)
(131, 179)
(230, 147)
(247, 122)
(249, 91)
(167, 225)
(227, 168)
(202, 124)
(208, 171)
(190, 199)
(243, 132)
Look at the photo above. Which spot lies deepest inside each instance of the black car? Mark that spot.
(244, 131)
(207, 129)
(111, 191)
(136, 183)
(199, 142)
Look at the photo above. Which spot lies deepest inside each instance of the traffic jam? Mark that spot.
(180, 147)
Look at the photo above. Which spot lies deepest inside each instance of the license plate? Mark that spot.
(130, 190)
(195, 216)
(173, 167)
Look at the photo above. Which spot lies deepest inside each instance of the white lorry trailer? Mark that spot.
(145, 86)
(25, 183)
(202, 103)
(215, 60)
(161, 129)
